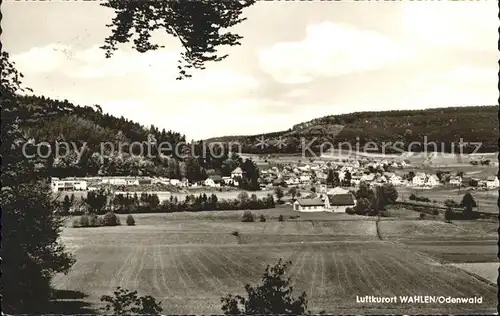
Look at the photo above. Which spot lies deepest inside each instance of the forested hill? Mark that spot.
(87, 128)
(445, 126)
(87, 124)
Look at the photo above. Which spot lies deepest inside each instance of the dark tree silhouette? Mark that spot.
(273, 297)
(31, 252)
(468, 203)
(201, 27)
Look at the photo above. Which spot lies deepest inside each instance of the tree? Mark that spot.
(390, 193)
(125, 302)
(330, 177)
(468, 203)
(292, 192)
(347, 179)
(279, 193)
(199, 25)
(273, 297)
(66, 205)
(31, 249)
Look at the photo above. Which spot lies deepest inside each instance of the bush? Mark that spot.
(127, 302)
(130, 220)
(235, 233)
(413, 197)
(449, 215)
(262, 218)
(281, 218)
(422, 215)
(350, 210)
(84, 221)
(94, 221)
(76, 223)
(435, 212)
(110, 219)
(247, 217)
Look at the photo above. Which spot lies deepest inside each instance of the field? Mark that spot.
(486, 200)
(190, 260)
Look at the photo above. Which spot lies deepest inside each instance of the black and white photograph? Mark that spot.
(245, 157)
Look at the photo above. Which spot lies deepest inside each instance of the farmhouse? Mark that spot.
(338, 203)
(213, 181)
(456, 181)
(309, 205)
(237, 173)
(492, 182)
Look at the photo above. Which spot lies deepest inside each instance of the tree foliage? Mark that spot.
(200, 26)
(126, 302)
(273, 296)
(31, 251)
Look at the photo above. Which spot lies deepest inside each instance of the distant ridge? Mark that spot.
(445, 126)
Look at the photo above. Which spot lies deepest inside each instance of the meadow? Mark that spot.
(190, 260)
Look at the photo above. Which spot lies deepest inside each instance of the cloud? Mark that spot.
(464, 85)
(329, 49)
(154, 70)
(466, 24)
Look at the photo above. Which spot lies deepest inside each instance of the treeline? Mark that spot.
(445, 126)
(137, 150)
(101, 202)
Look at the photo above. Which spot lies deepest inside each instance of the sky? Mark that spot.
(297, 61)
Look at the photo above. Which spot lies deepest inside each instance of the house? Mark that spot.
(367, 177)
(338, 203)
(144, 181)
(456, 181)
(175, 182)
(432, 181)
(309, 205)
(213, 181)
(305, 179)
(337, 190)
(227, 180)
(492, 182)
(68, 185)
(237, 173)
(132, 182)
(117, 181)
(393, 179)
(419, 179)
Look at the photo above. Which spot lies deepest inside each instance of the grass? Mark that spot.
(487, 200)
(188, 262)
(429, 230)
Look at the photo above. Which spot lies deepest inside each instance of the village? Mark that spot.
(319, 186)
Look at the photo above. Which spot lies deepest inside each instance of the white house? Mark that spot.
(305, 179)
(432, 181)
(68, 185)
(456, 181)
(367, 177)
(117, 181)
(237, 173)
(213, 181)
(132, 182)
(394, 179)
(309, 205)
(227, 180)
(419, 179)
(492, 182)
